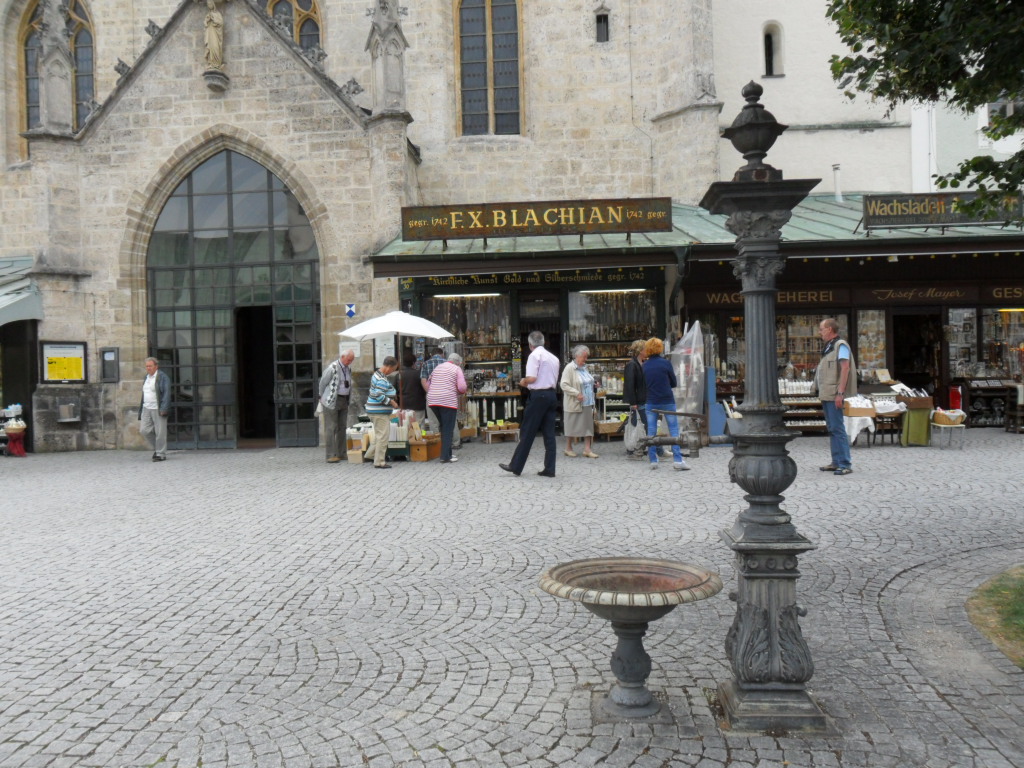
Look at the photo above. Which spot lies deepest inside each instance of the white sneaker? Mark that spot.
(452, 460)
(654, 465)
(680, 465)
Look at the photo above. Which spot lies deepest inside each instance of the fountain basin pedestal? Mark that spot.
(630, 592)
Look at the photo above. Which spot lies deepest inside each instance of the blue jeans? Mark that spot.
(673, 429)
(837, 433)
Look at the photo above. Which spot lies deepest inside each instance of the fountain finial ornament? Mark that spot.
(753, 133)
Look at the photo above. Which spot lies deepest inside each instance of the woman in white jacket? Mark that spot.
(578, 398)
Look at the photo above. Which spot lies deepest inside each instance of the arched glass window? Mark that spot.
(80, 40)
(233, 286)
(302, 17)
(489, 67)
(772, 50)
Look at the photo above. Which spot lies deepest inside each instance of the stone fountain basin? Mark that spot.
(630, 589)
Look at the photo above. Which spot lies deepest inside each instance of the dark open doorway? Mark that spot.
(254, 336)
(917, 348)
(540, 311)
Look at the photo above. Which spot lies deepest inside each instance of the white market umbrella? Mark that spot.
(395, 323)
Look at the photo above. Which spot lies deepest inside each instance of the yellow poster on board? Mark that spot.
(64, 362)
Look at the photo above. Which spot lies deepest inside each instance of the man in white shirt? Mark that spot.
(154, 408)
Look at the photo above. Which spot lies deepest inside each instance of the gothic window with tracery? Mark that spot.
(489, 67)
(80, 41)
(302, 18)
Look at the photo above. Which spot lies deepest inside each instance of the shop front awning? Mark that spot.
(821, 227)
(19, 296)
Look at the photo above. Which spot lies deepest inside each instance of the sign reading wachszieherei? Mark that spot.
(563, 217)
(930, 210)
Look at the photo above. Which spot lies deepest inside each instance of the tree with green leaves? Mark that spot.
(965, 53)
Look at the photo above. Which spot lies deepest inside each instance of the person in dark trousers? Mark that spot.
(335, 391)
(634, 389)
(542, 370)
(414, 398)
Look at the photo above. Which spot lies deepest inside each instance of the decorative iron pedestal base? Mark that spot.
(774, 710)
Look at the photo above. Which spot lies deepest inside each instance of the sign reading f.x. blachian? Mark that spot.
(565, 217)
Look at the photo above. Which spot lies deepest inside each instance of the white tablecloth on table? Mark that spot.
(854, 425)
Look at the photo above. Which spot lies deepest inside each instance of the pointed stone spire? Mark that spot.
(56, 71)
(387, 45)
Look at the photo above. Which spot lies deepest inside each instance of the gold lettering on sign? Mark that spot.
(911, 294)
(725, 298)
(551, 218)
(1015, 292)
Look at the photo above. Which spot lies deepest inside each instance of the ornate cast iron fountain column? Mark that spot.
(770, 659)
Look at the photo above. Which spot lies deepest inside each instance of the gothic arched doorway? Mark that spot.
(233, 286)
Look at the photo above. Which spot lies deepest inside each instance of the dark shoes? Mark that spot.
(382, 466)
(507, 468)
(843, 471)
(159, 458)
(829, 468)
(542, 473)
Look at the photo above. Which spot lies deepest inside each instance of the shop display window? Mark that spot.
(482, 322)
(609, 321)
(798, 343)
(870, 342)
(735, 362)
(962, 340)
(1002, 343)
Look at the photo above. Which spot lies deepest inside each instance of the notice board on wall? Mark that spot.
(63, 361)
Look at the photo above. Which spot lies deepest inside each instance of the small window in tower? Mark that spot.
(772, 51)
(602, 28)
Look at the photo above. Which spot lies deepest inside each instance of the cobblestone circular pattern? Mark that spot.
(237, 609)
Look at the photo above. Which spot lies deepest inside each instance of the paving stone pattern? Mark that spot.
(267, 610)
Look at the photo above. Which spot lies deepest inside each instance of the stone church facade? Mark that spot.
(133, 195)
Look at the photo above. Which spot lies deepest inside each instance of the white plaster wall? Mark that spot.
(805, 95)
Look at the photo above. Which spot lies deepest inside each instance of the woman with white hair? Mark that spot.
(578, 398)
(444, 386)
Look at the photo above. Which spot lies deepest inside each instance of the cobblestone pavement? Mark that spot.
(255, 609)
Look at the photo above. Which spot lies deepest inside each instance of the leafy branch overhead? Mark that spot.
(966, 53)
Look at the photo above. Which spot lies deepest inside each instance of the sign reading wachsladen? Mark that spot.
(930, 210)
(566, 217)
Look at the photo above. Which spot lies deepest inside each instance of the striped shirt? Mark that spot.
(446, 382)
(380, 395)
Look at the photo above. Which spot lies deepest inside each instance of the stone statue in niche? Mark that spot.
(214, 36)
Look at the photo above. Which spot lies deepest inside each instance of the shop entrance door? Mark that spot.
(540, 311)
(254, 327)
(917, 348)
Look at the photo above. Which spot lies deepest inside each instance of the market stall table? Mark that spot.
(916, 422)
(490, 433)
(942, 435)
